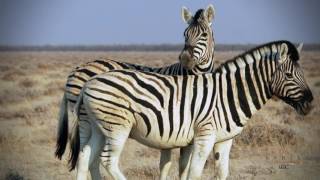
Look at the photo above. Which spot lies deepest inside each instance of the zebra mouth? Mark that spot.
(303, 108)
(186, 60)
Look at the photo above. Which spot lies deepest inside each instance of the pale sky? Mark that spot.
(99, 22)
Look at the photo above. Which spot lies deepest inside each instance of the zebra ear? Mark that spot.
(299, 48)
(209, 13)
(186, 15)
(283, 53)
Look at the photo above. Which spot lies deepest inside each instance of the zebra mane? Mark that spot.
(292, 51)
(198, 15)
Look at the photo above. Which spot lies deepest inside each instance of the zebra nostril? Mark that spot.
(308, 95)
(188, 47)
(190, 50)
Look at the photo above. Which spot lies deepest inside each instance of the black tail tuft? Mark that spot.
(75, 149)
(75, 138)
(62, 137)
(62, 141)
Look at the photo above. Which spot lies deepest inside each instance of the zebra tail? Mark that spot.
(75, 138)
(62, 135)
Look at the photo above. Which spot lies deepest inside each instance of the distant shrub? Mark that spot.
(13, 175)
(12, 75)
(28, 83)
(4, 68)
(44, 66)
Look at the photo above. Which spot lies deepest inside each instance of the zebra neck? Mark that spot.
(243, 86)
(252, 87)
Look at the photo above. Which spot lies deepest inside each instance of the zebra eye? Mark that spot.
(204, 34)
(289, 75)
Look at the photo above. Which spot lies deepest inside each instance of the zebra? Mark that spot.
(198, 26)
(196, 113)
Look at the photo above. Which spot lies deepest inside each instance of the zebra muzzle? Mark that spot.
(304, 108)
(187, 60)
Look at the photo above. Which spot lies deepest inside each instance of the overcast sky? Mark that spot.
(87, 22)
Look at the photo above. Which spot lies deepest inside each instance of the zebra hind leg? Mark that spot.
(85, 148)
(165, 163)
(80, 151)
(96, 142)
(115, 139)
(95, 169)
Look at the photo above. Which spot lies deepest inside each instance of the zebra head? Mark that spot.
(288, 82)
(199, 42)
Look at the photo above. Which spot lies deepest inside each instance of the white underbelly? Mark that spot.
(157, 142)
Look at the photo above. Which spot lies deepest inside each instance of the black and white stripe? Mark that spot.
(81, 75)
(177, 111)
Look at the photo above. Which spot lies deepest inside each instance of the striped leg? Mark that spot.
(115, 139)
(221, 154)
(95, 169)
(84, 155)
(88, 157)
(200, 152)
(83, 163)
(165, 163)
(184, 161)
(97, 141)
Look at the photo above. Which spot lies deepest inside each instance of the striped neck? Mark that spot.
(244, 83)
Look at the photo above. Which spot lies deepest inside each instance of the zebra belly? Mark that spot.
(155, 141)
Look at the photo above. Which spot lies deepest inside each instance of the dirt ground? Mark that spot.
(276, 144)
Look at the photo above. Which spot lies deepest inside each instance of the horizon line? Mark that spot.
(136, 47)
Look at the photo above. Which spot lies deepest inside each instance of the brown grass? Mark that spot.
(13, 75)
(267, 134)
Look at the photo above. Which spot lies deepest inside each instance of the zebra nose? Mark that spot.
(308, 95)
(188, 48)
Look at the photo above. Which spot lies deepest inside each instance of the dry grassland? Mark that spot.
(277, 143)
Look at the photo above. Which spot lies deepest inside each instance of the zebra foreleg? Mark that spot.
(201, 149)
(165, 163)
(221, 154)
(184, 161)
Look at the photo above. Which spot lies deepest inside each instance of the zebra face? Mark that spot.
(288, 83)
(199, 45)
